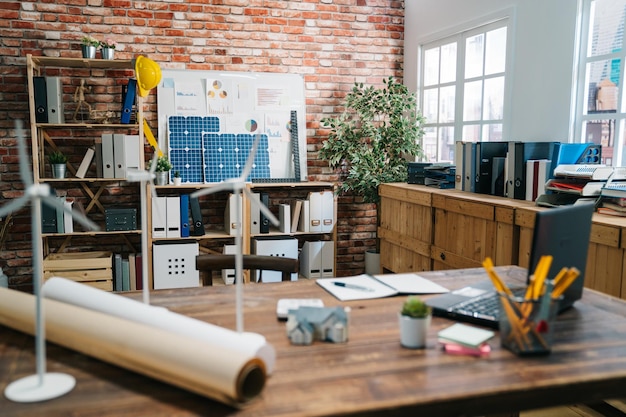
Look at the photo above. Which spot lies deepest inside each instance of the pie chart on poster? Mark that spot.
(251, 125)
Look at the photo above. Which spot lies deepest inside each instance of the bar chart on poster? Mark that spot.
(209, 120)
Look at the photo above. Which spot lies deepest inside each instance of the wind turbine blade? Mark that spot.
(222, 186)
(14, 205)
(153, 164)
(250, 161)
(57, 204)
(261, 207)
(25, 173)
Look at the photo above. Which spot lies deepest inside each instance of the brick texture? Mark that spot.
(332, 43)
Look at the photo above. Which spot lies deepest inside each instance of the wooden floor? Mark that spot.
(612, 408)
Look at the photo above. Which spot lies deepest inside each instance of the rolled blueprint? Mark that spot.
(71, 292)
(197, 365)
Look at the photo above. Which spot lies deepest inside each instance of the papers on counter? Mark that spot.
(362, 287)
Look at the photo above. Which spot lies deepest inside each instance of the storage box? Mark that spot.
(91, 268)
(174, 265)
(120, 219)
(275, 246)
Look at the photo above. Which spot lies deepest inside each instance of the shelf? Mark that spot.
(80, 180)
(99, 126)
(93, 233)
(209, 235)
(82, 63)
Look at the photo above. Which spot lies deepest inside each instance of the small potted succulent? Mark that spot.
(88, 46)
(162, 169)
(58, 163)
(414, 319)
(177, 178)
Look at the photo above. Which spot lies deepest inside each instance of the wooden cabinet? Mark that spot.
(76, 126)
(430, 229)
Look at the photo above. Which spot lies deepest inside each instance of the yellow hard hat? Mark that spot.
(148, 74)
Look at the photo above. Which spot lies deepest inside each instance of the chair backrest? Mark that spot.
(215, 262)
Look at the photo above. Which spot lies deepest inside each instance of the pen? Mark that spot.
(351, 286)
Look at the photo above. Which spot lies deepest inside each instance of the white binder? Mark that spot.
(328, 259)
(317, 259)
(68, 221)
(54, 92)
(119, 156)
(315, 212)
(108, 161)
(232, 222)
(255, 214)
(159, 216)
(172, 216)
(284, 217)
(328, 211)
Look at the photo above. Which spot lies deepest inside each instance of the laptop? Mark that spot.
(562, 232)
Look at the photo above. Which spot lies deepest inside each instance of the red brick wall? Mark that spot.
(332, 43)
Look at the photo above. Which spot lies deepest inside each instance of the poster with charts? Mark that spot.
(242, 103)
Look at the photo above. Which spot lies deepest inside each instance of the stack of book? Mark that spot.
(461, 339)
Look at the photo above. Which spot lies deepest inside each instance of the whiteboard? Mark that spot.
(232, 105)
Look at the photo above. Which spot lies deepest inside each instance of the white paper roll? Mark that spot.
(71, 292)
(198, 366)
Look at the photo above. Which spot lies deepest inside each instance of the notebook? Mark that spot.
(562, 232)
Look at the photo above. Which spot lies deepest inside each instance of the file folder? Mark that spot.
(469, 167)
(459, 162)
(305, 217)
(255, 214)
(232, 221)
(54, 94)
(159, 213)
(125, 153)
(108, 164)
(328, 259)
(68, 221)
(196, 215)
(328, 211)
(184, 215)
(129, 99)
(172, 216)
(284, 218)
(265, 222)
(41, 99)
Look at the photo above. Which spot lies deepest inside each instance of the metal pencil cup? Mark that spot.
(527, 326)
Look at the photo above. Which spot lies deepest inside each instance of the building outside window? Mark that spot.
(600, 112)
(463, 88)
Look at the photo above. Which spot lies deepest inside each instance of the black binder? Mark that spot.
(485, 152)
(41, 99)
(196, 215)
(525, 151)
(265, 222)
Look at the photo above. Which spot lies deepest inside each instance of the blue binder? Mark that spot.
(129, 99)
(184, 215)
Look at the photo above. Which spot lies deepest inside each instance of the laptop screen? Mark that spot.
(563, 232)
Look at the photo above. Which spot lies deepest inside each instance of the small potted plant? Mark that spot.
(177, 179)
(57, 162)
(107, 47)
(162, 169)
(414, 318)
(88, 46)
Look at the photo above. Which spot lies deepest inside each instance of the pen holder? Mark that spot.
(527, 326)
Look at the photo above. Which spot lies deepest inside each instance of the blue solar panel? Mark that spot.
(226, 155)
(185, 144)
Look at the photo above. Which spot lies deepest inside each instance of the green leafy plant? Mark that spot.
(371, 140)
(108, 43)
(57, 158)
(163, 164)
(90, 41)
(176, 174)
(415, 307)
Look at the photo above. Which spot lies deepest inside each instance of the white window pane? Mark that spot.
(607, 27)
(472, 102)
(448, 63)
(471, 133)
(431, 106)
(429, 144)
(431, 66)
(494, 99)
(446, 144)
(446, 104)
(474, 50)
(492, 132)
(495, 52)
(602, 85)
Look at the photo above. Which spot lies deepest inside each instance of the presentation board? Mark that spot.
(208, 121)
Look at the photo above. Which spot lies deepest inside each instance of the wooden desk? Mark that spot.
(369, 375)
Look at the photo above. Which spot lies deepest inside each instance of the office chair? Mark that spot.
(212, 262)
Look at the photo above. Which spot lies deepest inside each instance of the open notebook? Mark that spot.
(362, 287)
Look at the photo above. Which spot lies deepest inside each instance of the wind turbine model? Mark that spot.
(43, 385)
(143, 176)
(238, 186)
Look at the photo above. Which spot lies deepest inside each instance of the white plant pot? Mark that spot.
(177, 180)
(372, 263)
(413, 332)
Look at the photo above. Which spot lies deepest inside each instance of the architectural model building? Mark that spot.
(328, 324)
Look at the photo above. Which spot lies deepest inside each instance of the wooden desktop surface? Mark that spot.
(369, 375)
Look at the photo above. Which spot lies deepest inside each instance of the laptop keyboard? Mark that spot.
(487, 306)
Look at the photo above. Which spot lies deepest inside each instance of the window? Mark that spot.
(600, 112)
(462, 89)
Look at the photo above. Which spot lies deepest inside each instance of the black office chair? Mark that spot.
(208, 263)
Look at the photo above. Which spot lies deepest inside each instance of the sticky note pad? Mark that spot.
(465, 335)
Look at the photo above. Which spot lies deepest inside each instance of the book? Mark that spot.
(611, 212)
(465, 335)
(296, 208)
(84, 165)
(361, 287)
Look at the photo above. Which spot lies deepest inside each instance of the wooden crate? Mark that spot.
(91, 268)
